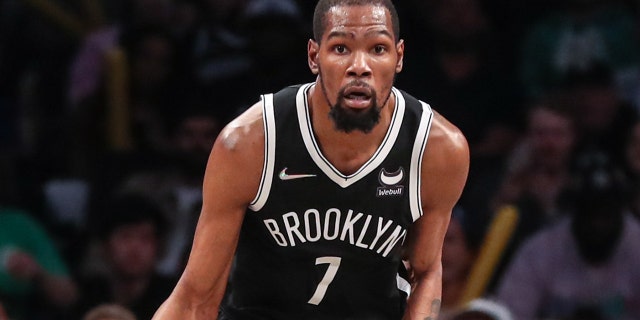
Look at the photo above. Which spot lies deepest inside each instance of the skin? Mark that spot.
(358, 44)
(457, 259)
(132, 251)
(59, 290)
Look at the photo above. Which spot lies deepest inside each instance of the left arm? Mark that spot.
(446, 163)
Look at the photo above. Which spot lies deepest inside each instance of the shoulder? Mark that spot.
(246, 132)
(442, 133)
(235, 165)
(446, 145)
(445, 162)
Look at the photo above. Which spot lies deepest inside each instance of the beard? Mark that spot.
(346, 119)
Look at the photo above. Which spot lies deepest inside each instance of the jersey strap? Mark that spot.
(415, 176)
(268, 119)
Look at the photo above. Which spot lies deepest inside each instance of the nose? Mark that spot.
(359, 66)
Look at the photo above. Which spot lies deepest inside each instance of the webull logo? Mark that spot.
(390, 183)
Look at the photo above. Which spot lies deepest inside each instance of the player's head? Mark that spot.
(324, 6)
(356, 54)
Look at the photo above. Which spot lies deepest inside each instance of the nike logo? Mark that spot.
(284, 176)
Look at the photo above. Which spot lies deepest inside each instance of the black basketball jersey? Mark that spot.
(318, 244)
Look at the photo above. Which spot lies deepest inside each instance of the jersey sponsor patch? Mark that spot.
(390, 183)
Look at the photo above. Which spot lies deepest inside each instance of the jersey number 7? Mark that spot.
(334, 264)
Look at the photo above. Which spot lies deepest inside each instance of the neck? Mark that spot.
(349, 150)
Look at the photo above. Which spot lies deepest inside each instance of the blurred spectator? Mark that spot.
(456, 66)
(187, 15)
(150, 98)
(91, 160)
(276, 37)
(268, 59)
(482, 309)
(131, 234)
(587, 31)
(177, 183)
(538, 172)
(632, 166)
(458, 256)
(587, 261)
(602, 119)
(109, 312)
(88, 67)
(218, 53)
(33, 60)
(32, 273)
(151, 54)
(539, 168)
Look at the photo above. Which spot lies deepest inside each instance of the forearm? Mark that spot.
(425, 299)
(189, 303)
(174, 309)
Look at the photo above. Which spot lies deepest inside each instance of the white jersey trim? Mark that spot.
(344, 181)
(415, 177)
(403, 285)
(268, 118)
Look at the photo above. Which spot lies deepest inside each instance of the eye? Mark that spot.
(340, 49)
(379, 49)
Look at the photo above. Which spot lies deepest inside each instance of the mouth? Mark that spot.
(357, 97)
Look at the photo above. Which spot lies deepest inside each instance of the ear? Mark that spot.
(400, 51)
(312, 56)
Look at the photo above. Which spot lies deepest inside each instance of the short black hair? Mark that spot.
(323, 6)
(130, 209)
(598, 181)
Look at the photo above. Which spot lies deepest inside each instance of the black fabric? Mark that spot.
(274, 276)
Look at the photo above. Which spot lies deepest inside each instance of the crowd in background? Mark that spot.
(547, 93)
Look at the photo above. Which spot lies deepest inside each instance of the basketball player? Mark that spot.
(315, 194)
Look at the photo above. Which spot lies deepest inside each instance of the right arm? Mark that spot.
(230, 183)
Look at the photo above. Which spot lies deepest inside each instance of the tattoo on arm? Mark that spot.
(435, 310)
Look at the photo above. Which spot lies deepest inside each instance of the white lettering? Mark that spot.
(389, 192)
(293, 228)
(272, 226)
(327, 223)
(392, 240)
(348, 226)
(363, 231)
(318, 226)
(380, 231)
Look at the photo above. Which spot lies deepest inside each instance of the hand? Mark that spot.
(23, 266)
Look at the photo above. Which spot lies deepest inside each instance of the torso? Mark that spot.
(311, 219)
